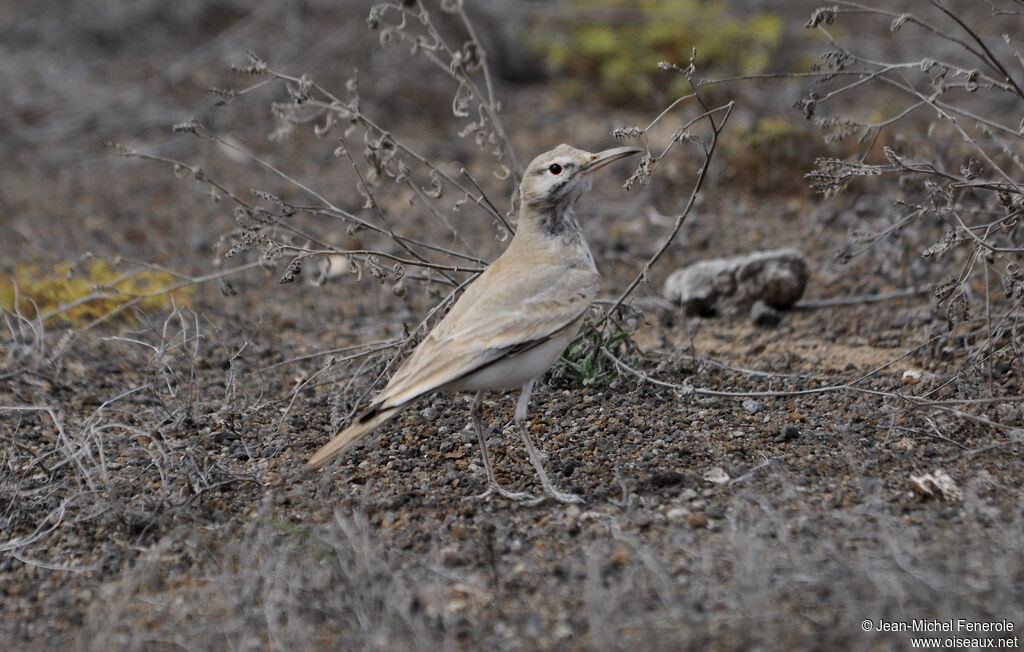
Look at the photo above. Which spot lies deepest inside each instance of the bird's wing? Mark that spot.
(484, 326)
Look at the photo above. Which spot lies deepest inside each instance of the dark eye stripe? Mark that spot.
(557, 188)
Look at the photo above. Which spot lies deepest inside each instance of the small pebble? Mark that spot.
(666, 478)
(677, 514)
(697, 519)
(764, 315)
(1000, 368)
(451, 556)
(752, 406)
(789, 432)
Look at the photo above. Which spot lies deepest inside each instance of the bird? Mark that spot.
(513, 322)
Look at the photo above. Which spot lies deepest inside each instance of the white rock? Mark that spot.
(733, 285)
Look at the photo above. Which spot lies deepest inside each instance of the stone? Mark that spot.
(764, 315)
(730, 286)
(789, 432)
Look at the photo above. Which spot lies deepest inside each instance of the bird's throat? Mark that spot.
(557, 234)
(558, 220)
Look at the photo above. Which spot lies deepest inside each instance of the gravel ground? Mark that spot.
(151, 473)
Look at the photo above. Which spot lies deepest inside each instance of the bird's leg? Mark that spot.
(492, 482)
(520, 421)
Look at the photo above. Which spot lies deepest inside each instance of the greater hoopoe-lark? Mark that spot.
(514, 321)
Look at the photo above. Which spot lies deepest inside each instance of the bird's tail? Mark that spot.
(362, 425)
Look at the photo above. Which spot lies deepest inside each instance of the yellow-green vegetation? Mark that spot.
(770, 155)
(66, 295)
(769, 132)
(613, 47)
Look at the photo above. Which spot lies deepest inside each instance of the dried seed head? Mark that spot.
(191, 126)
(822, 15)
(122, 150)
(941, 291)
(898, 22)
(808, 104)
(941, 247)
(626, 132)
(257, 66)
(294, 269)
(643, 172)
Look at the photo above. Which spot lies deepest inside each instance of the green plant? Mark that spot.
(619, 58)
(586, 362)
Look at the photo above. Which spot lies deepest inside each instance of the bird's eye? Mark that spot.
(555, 168)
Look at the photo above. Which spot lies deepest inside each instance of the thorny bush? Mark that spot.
(939, 134)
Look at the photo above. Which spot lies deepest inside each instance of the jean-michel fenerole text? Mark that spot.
(958, 625)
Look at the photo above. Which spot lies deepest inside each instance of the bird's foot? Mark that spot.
(562, 496)
(495, 488)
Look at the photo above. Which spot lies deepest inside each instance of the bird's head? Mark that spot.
(557, 178)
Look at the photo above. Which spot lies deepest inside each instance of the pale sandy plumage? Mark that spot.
(513, 322)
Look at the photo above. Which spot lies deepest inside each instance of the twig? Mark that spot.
(716, 129)
(862, 299)
(988, 57)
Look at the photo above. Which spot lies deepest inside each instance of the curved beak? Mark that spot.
(608, 156)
